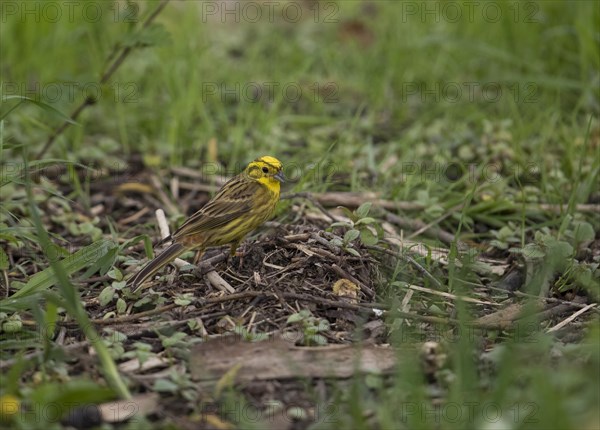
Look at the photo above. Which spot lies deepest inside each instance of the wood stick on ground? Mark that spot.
(218, 282)
(551, 312)
(405, 305)
(164, 199)
(451, 296)
(165, 232)
(570, 319)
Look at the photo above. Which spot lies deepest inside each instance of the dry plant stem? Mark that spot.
(570, 318)
(137, 215)
(163, 226)
(165, 200)
(405, 305)
(552, 311)
(135, 317)
(218, 282)
(451, 296)
(103, 80)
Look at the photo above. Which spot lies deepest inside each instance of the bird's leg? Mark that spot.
(234, 247)
(198, 256)
(235, 252)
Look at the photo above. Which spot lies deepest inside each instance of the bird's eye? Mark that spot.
(265, 170)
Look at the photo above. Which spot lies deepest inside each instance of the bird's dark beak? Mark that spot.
(279, 176)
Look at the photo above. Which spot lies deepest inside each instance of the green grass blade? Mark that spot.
(71, 264)
(73, 303)
(44, 106)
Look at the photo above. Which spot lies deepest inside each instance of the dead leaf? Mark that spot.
(346, 289)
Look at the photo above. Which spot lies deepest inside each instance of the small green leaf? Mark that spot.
(342, 224)
(532, 251)
(323, 325)
(182, 301)
(311, 330)
(295, 318)
(559, 253)
(121, 306)
(336, 242)
(106, 296)
(363, 210)
(498, 244)
(143, 301)
(367, 237)
(583, 232)
(348, 213)
(119, 285)
(351, 235)
(366, 220)
(165, 386)
(352, 251)
(115, 274)
(114, 336)
(318, 340)
(173, 340)
(12, 325)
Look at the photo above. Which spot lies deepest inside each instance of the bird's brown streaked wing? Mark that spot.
(233, 201)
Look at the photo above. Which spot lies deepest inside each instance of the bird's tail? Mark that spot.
(173, 251)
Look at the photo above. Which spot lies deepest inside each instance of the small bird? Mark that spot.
(242, 204)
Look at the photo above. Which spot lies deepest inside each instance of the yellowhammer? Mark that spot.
(241, 205)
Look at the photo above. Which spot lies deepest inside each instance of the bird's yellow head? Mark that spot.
(268, 171)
